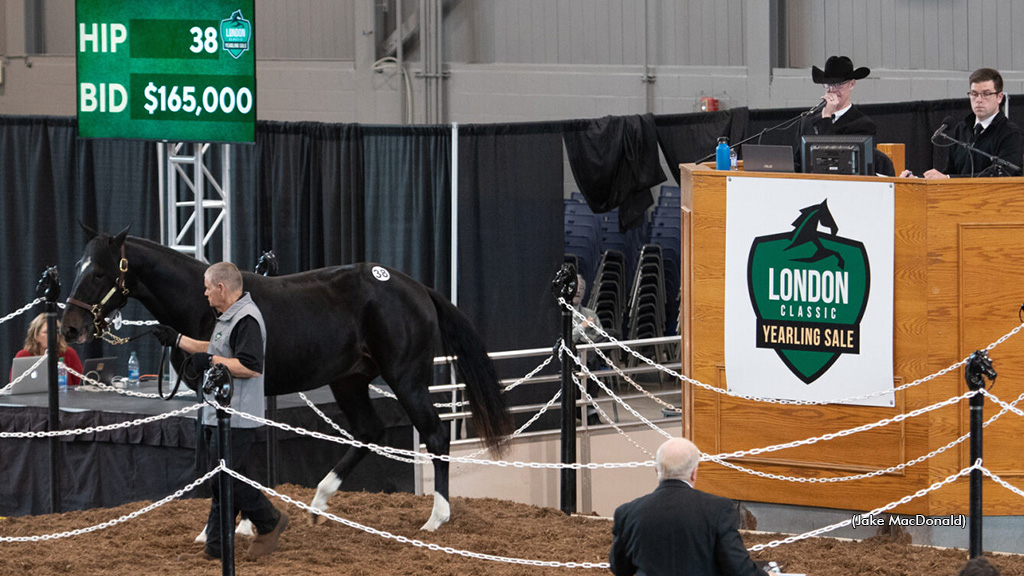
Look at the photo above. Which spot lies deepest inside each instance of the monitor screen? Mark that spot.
(836, 154)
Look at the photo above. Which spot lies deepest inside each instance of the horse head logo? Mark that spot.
(809, 290)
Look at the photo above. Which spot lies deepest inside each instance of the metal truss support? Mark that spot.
(194, 206)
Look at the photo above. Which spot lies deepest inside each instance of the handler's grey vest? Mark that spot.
(248, 392)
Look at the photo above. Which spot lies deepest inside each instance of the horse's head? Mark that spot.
(100, 288)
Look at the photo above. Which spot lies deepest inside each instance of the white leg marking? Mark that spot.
(201, 539)
(324, 490)
(245, 528)
(439, 515)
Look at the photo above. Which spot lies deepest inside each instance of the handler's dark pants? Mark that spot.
(245, 498)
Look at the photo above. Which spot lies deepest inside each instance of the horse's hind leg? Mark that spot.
(364, 425)
(411, 390)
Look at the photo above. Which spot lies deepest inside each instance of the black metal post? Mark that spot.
(218, 381)
(564, 286)
(978, 366)
(49, 287)
(267, 265)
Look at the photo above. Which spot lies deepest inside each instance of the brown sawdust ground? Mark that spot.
(150, 544)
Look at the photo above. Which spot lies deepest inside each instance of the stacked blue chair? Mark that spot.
(582, 237)
(666, 233)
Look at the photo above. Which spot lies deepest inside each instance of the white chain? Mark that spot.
(593, 402)
(21, 310)
(876, 511)
(524, 427)
(1002, 482)
(1012, 407)
(625, 376)
(23, 375)
(115, 522)
(890, 470)
(446, 458)
(346, 433)
(98, 386)
(726, 392)
(412, 541)
(105, 427)
(611, 395)
(848, 431)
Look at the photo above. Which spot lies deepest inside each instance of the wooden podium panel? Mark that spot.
(958, 285)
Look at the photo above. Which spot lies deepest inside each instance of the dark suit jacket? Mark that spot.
(679, 531)
(1002, 138)
(853, 122)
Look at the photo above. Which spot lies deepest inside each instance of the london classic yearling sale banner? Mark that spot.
(809, 289)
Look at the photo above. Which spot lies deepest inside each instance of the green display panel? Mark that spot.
(181, 70)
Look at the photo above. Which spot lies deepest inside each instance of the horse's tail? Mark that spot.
(473, 367)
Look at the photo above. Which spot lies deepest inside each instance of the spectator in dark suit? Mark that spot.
(986, 128)
(677, 529)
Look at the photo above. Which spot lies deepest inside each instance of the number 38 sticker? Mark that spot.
(381, 274)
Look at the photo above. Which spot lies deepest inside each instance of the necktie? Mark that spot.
(978, 129)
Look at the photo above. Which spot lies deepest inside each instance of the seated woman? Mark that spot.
(35, 345)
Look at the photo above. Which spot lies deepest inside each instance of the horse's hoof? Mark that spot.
(315, 519)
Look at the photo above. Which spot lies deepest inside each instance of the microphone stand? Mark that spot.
(998, 164)
(783, 124)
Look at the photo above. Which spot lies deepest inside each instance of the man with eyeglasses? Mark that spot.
(986, 128)
(838, 116)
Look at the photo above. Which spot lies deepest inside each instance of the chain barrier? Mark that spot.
(593, 402)
(405, 539)
(890, 470)
(21, 310)
(725, 392)
(1012, 407)
(425, 455)
(948, 480)
(995, 478)
(23, 375)
(97, 386)
(626, 377)
(105, 427)
(848, 431)
(116, 521)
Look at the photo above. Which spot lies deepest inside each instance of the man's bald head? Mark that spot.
(677, 458)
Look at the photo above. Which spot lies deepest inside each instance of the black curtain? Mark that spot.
(299, 192)
(510, 231)
(407, 223)
(50, 180)
(690, 137)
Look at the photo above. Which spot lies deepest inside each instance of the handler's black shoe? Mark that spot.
(265, 544)
(204, 555)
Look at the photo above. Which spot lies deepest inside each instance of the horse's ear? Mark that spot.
(119, 239)
(90, 233)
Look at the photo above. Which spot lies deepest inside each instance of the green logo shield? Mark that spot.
(809, 290)
(235, 34)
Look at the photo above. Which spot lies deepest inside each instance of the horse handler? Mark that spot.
(238, 342)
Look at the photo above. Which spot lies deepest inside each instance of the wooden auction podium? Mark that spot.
(958, 286)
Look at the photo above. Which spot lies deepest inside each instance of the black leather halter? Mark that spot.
(98, 311)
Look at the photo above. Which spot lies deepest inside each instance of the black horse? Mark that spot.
(339, 327)
(805, 230)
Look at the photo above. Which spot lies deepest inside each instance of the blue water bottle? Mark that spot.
(133, 370)
(62, 376)
(722, 161)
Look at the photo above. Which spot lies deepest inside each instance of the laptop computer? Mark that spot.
(758, 158)
(36, 381)
(101, 369)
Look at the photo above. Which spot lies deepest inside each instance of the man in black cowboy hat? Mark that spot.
(838, 116)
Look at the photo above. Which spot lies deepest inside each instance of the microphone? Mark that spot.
(946, 123)
(817, 108)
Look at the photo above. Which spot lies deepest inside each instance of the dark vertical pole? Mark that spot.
(49, 286)
(978, 367)
(564, 286)
(219, 382)
(267, 265)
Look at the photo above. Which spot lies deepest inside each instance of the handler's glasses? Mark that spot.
(982, 95)
(838, 86)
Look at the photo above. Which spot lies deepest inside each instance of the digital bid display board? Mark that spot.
(182, 70)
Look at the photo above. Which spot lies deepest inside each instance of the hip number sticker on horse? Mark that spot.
(381, 274)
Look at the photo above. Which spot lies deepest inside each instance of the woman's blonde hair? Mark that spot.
(34, 328)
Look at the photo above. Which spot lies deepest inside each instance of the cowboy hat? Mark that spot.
(838, 69)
